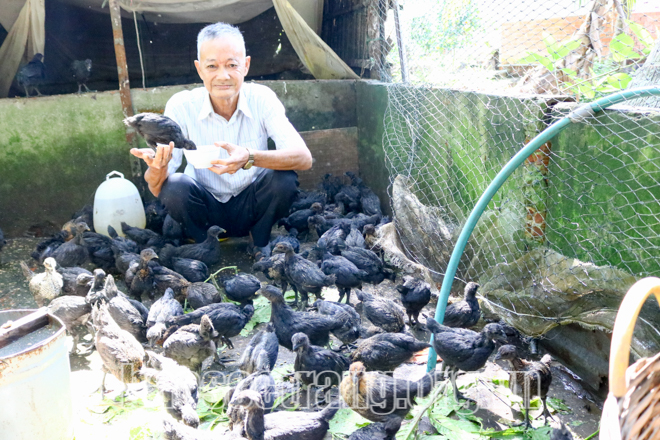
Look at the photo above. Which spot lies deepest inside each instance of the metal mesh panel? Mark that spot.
(579, 221)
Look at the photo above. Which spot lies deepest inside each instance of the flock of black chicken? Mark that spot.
(33, 74)
(168, 345)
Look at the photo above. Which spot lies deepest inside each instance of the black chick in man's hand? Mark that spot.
(32, 75)
(159, 129)
(82, 70)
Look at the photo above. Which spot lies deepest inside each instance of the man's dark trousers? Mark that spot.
(255, 209)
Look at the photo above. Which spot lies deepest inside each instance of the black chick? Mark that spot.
(260, 381)
(386, 351)
(292, 239)
(192, 344)
(369, 262)
(282, 425)
(304, 200)
(369, 201)
(355, 238)
(82, 70)
(338, 232)
(73, 252)
(462, 349)
(172, 230)
(155, 213)
(316, 365)
(74, 312)
(140, 278)
(122, 244)
(46, 247)
(228, 319)
(330, 185)
(159, 129)
(127, 316)
(347, 275)
(139, 235)
(99, 248)
(265, 340)
(288, 322)
(176, 383)
(273, 268)
(415, 295)
(561, 433)
(382, 312)
(202, 294)
(349, 196)
(350, 329)
(304, 274)
(96, 293)
(378, 430)
(208, 251)
(464, 313)
(527, 378)
(193, 270)
(72, 284)
(298, 219)
(160, 313)
(241, 288)
(381, 398)
(32, 75)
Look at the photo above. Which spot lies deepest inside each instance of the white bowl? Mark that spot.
(202, 156)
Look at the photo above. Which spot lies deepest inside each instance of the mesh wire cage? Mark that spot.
(469, 84)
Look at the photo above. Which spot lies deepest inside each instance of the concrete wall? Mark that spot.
(56, 150)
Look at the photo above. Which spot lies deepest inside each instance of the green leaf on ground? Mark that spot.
(558, 405)
(346, 421)
(261, 315)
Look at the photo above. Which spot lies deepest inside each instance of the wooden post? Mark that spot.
(125, 89)
(399, 43)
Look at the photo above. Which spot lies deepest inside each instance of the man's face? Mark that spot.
(222, 67)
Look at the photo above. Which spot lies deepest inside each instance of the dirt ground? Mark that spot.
(140, 415)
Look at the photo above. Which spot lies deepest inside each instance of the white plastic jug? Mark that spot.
(116, 201)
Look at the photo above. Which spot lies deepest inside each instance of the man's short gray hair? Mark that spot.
(217, 31)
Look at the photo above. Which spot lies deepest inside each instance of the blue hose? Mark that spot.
(576, 115)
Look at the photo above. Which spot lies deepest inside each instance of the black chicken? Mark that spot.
(304, 274)
(351, 326)
(382, 312)
(349, 196)
(74, 312)
(260, 381)
(139, 235)
(160, 313)
(73, 285)
(264, 341)
(140, 278)
(73, 252)
(347, 275)
(336, 233)
(288, 322)
(305, 200)
(99, 248)
(386, 351)
(208, 251)
(464, 313)
(32, 75)
(462, 349)
(298, 219)
(125, 313)
(202, 294)
(159, 129)
(122, 244)
(316, 365)
(191, 344)
(381, 398)
(378, 430)
(369, 262)
(193, 270)
(228, 319)
(415, 295)
(330, 185)
(527, 378)
(291, 238)
(369, 201)
(82, 70)
(273, 268)
(241, 288)
(46, 247)
(282, 425)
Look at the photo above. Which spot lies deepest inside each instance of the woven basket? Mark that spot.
(632, 409)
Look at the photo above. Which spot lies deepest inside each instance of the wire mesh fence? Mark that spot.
(575, 225)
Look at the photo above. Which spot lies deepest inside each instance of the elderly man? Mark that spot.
(249, 188)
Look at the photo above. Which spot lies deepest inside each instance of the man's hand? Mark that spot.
(238, 157)
(158, 159)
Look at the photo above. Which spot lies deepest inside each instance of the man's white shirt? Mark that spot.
(259, 115)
